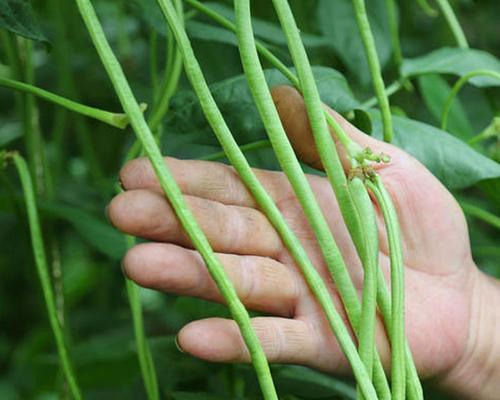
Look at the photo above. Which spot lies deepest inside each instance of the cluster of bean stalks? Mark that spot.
(352, 191)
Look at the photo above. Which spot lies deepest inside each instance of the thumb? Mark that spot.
(427, 211)
(293, 115)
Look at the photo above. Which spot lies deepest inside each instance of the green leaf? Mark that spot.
(454, 61)
(453, 162)
(236, 103)
(336, 20)
(435, 90)
(17, 16)
(97, 233)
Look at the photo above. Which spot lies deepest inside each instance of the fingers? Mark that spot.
(206, 179)
(283, 341)
(229, 229)
(261, 283)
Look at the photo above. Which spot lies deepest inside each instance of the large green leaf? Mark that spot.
(435, 91)
(454, 61)
(17, 16)
(452, 161)
(336, 20)
(236, 103)
(263, 29)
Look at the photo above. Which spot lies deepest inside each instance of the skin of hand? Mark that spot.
(452, 316)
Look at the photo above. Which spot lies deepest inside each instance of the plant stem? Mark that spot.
(246, 148)
(291, 166)
(67, 87)
(113, 119)
(171, 78)
(456, 88)
(493, 129)
(398, 367)
(174, 194)
(389, 90)
(143, 350)
(393, 28)
(374, 64)
(43, 272)
(427, 8)
(478, 212)
(453, 23)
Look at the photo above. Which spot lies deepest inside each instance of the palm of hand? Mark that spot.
(435, 246)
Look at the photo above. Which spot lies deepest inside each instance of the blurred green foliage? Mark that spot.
(84, 157)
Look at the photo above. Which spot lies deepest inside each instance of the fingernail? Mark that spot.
(176, 341)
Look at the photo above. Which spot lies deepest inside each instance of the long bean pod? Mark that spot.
(291, 167)
(175, 197)
(398, 367)
(453, 23)
(331, 162)
(366, 213)
(374, 65)
(43, 273)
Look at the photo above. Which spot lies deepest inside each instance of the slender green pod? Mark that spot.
(366, 213)
(397, 53)
(456, 88)
(333, 168)
(374, 64)
(175, 197)
(427, 8)
(398, 367)
(291, 166)
(453, 23)
(43, 272)
(114, 119)
(237, 159)
(171, 78)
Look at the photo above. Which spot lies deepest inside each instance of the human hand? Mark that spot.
(445, 292)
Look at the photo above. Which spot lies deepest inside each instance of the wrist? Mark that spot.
(476, 375)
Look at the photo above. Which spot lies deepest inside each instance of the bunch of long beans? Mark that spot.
(351, 189)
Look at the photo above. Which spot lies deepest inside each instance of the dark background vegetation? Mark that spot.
(85, 156)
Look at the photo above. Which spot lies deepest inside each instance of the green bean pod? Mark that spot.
(397, 328)
(43, 272)
(369, 257)
(175, 197)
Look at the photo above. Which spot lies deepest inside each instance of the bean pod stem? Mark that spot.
(174, 194)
